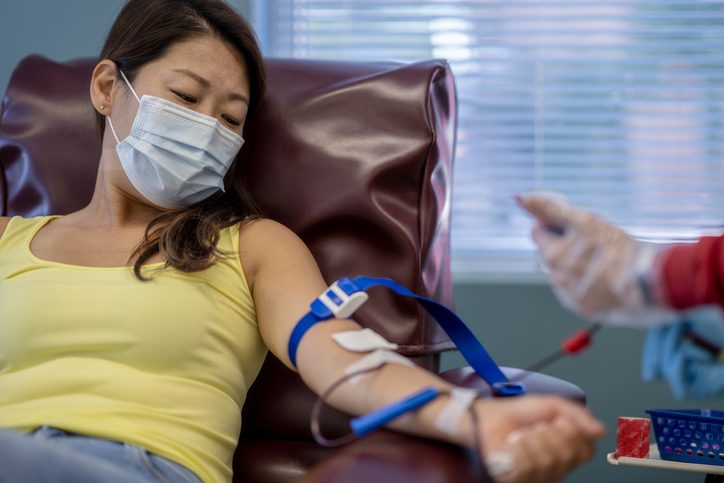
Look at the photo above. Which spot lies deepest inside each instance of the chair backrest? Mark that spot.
(355, 158)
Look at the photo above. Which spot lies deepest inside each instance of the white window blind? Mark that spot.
(619, 105)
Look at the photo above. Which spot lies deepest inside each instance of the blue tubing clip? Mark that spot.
(508, 389)
(369, 422)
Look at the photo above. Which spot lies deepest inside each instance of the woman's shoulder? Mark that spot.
(264, 233)
(4, 220)
(267, 243)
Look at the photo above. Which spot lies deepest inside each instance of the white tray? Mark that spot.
(655, 461)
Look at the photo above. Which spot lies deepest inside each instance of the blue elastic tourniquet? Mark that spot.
(299, 330)
(471, 349)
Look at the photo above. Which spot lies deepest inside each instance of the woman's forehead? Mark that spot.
(206, 56)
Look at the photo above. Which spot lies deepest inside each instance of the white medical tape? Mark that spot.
(460, 399)
(365, 340)
(376, 360)
(499, 463)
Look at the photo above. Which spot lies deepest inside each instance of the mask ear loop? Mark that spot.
(110, 122)
(128, 83)
(113, 131)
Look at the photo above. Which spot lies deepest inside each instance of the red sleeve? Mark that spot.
(694, 274)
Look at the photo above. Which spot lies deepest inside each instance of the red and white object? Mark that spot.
(632, 437)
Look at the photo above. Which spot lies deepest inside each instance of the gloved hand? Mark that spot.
(596, 269)
(692, 372)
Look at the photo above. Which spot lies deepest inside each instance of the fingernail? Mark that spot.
(500, 462)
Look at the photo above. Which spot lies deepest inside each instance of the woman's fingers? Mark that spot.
(547, 452)
(579, 416)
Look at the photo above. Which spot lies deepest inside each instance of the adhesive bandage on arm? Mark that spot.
(373, 361)
(367, 340)
(364, 340)
(449, 417)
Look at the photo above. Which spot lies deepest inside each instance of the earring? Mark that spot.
(103, 106)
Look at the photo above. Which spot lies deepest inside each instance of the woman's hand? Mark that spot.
(546, 436)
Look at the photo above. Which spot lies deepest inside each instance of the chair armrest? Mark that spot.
(389, 456)
(535, 382)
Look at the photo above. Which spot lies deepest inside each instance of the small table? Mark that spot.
(714, 473)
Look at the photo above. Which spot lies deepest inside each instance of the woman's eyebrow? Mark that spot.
(194, 76)
(238, 97)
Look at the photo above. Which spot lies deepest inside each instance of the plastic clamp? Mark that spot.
(340, 300)
(508, 389)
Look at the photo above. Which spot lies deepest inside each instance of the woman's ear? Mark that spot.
(102, 83)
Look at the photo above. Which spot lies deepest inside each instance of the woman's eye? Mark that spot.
(231, 120)
(185, 97)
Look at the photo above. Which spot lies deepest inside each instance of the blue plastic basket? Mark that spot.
(689, 435)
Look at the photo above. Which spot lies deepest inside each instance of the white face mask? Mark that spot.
(174, 156)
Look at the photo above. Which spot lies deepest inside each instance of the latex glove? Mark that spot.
(692, 372)
(596, 269)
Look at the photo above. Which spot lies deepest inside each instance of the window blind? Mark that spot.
(619, 105)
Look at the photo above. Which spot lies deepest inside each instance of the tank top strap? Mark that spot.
(229, 240)
(19, 232)
(228, 246)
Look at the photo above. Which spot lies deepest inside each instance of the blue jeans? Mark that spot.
(49, 455)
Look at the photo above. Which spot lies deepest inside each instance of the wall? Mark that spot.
(518, 323)
(60, 30)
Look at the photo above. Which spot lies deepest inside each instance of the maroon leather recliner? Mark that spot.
(357, 160)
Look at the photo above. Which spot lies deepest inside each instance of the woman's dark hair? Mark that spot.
(143, 32)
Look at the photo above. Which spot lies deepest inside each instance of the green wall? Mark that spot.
(61, 30)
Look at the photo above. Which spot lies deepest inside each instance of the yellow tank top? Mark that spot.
(164, 364)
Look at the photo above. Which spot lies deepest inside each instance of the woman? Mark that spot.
(144, 317)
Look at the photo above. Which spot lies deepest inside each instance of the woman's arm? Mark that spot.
(284, 279)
